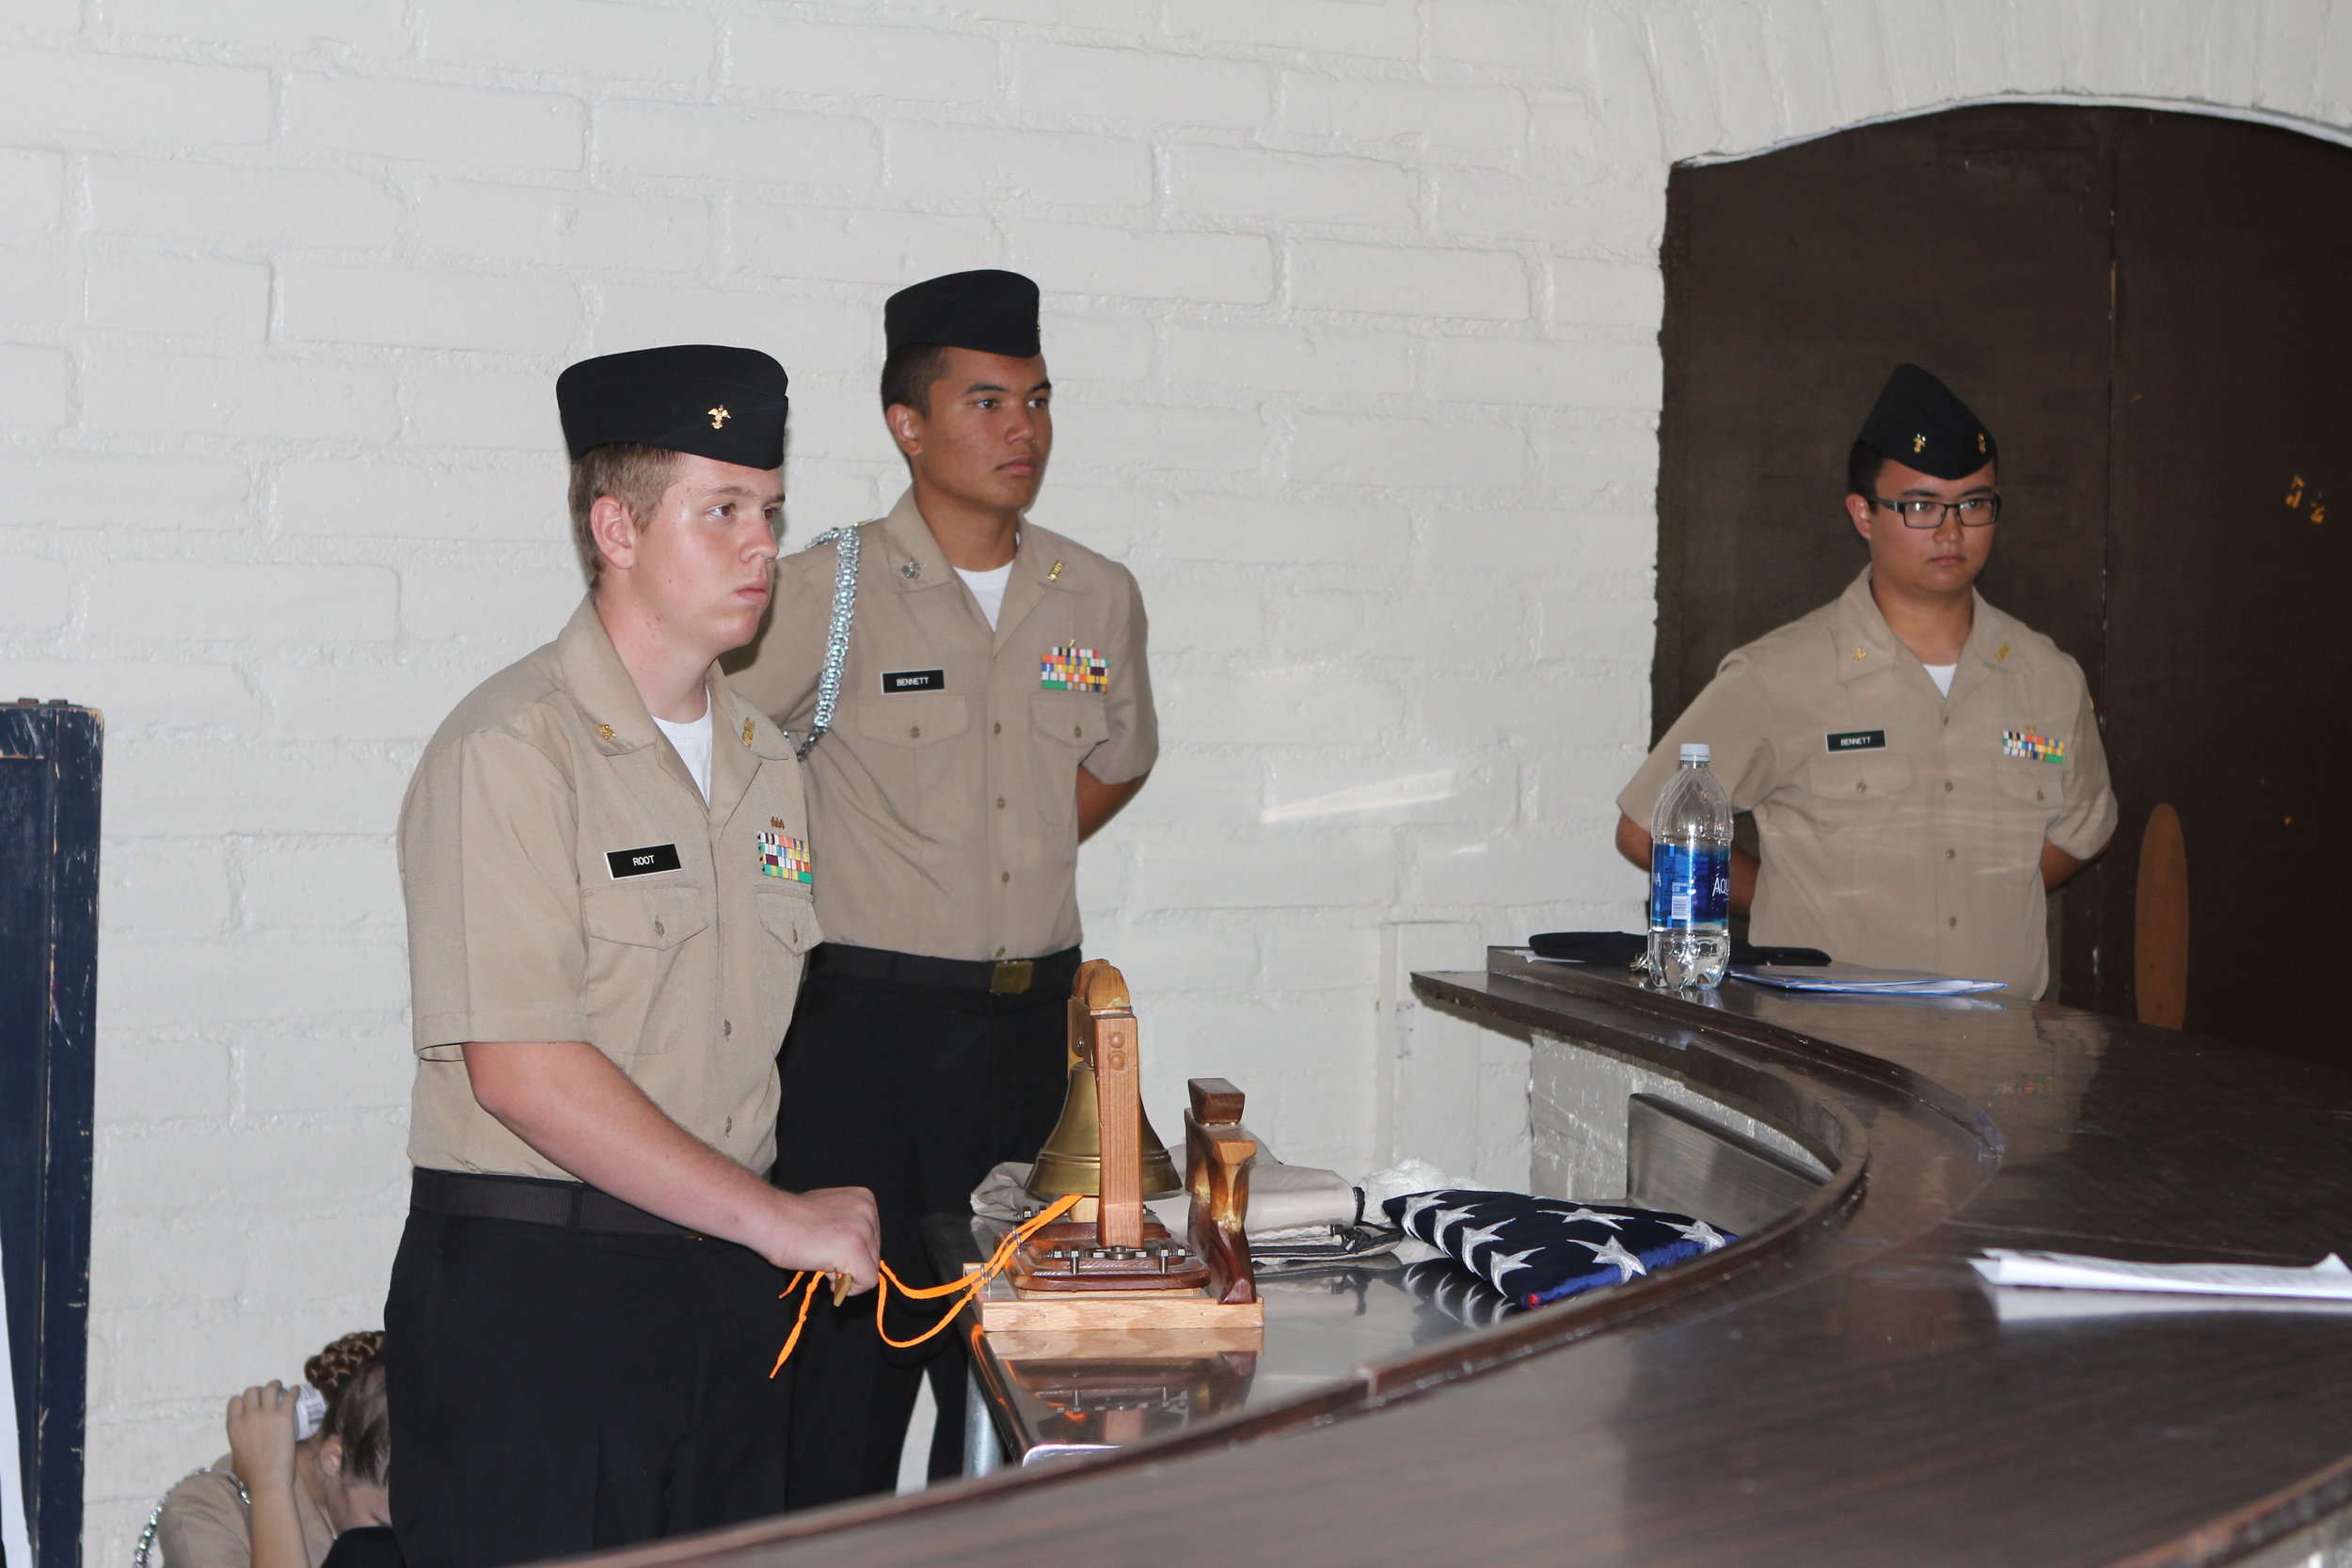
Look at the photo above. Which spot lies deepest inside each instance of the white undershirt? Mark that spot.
(989, 587)
(693, 740)
(1942, 675)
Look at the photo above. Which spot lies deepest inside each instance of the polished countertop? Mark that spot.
(1834, 1389)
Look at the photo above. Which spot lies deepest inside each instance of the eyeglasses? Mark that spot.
(1918, 512)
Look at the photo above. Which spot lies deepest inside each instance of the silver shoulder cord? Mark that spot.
(140, 1558)
(836, 633)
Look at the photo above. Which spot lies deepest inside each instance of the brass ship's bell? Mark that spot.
(1072, 1159)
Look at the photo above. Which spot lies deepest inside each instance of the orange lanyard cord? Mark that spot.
(967, 1288)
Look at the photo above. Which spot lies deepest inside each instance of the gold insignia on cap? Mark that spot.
(2002, 654)
(718, 415)
(1919, 443)
(747, 732)
(1055, 576)
(1980, 441)
(1861, 654)
(604, 732)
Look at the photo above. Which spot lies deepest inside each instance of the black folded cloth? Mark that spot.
(1623, 947)
(365, 1546)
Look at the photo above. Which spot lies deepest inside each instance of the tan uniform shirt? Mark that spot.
(1900, 828)
(566, 882)
(205, 1523)
(943, 798)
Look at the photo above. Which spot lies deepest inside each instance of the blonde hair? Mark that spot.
(636, 476)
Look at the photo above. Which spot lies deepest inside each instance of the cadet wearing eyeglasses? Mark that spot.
(1922, 768)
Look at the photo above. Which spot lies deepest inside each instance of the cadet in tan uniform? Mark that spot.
(993, 709)
(608, 879)
(1922, 766)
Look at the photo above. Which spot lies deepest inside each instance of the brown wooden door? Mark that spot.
(2229, 659)
(2148, 310)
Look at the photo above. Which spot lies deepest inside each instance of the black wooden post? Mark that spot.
(49, 772)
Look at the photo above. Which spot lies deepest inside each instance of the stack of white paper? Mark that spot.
(2326, 1280)
(1859, 980)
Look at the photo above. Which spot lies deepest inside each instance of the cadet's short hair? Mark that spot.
(636, 476)
(908, 372)
(1863, 462)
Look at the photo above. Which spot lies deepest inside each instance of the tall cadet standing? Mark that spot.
(1922, 766)
(992, 709)
(607, 876)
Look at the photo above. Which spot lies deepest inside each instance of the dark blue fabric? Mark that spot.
(1536, 1250)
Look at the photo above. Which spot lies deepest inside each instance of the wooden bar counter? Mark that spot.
(1834, 1387)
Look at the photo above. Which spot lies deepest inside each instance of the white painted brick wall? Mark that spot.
(1353, 304)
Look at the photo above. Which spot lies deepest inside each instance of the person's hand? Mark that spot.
(262, 1438)
(834, 1230)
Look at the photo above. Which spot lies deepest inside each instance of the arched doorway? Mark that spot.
(2154, 311)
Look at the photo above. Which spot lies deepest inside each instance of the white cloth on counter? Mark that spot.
(1415, 1175)
(1286, 1203)
(1295, 1197)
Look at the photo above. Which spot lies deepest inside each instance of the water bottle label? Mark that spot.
(1689, 887)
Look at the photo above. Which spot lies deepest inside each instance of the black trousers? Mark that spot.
(915, 1092)
(557, 1392)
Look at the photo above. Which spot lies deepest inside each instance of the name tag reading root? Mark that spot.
(1856, 740)
(913, 680)
(641, 862)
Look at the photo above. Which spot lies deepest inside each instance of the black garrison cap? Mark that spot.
(726, 403)
(1920, 424)
(992, 312)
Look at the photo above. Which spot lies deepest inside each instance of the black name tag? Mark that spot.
(1858, 740)
(641, 862)
(913, 680)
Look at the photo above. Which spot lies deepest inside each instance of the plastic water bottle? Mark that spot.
(1689, 877)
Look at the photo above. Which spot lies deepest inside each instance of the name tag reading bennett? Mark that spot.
(641, 862)
(913, 680)
(1856, 740)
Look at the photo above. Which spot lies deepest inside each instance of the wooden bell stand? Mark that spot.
(1122, 1270)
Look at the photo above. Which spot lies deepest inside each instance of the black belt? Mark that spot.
(1051, 974)
(570, 1205)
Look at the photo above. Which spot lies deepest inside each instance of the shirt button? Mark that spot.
(1004, 875)
(1861, 787)
(726, 1027)
(1947, 786)
(914, 732)
(1949, 853)
(1000, 952)
(1077, 731)
(1951, 920)
(660, 930)
(1000, 802)
(998, 728)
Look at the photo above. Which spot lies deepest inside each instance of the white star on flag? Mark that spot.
(1615, 1222)
(1471, 1239)
(1615, 1254)
(1502, 1263)
(1700, 1231)
(1418, 1205)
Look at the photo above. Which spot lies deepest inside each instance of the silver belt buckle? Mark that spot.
(1011, 976)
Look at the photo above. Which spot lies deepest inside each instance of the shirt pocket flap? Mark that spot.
(791, 921)
(2041, 782)
(1074, 721)
(1864, 776)
(914, 719)
(645, 917)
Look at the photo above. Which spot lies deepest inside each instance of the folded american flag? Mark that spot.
(1538, 1249)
